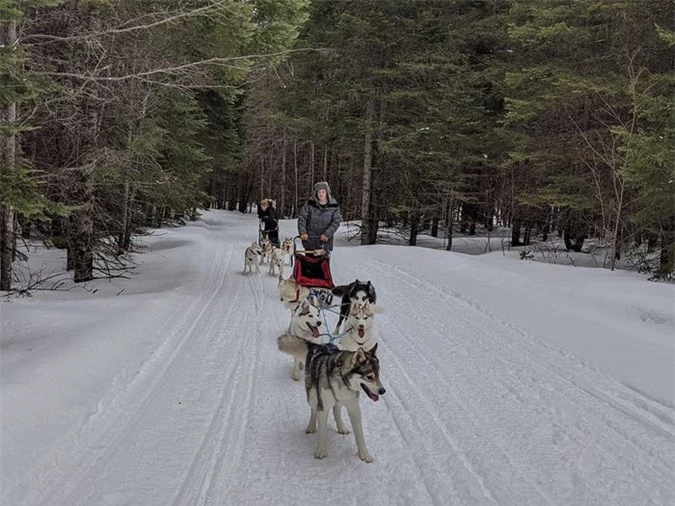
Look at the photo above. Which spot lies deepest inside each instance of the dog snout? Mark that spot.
(381, 391)
(318, 324)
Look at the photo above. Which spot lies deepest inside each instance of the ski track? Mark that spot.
(650, 438)
(81, 446)
(477, 411)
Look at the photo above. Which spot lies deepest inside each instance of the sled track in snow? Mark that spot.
(647, 408)
(66, 466)
(231, 437)
(477, 410)
(537, 377)
(465, 424)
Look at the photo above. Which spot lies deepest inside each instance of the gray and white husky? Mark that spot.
(251, 258)
(360, 323)
(288, 247)
(277, 260)
(335, 378)
(306, 322)
(267, 249)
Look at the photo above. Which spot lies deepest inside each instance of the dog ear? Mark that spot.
(373, 350)
(359, 357)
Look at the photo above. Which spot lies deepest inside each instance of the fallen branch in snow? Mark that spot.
(26, 281)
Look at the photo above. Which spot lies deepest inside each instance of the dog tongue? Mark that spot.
(315, 332)
(370, 394)
(362, 332)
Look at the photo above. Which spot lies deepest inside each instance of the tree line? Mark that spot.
(545, 117)
(113, 112)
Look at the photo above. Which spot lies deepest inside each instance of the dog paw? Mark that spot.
(344, 431)
(319, 454)
(366, 457)
(295, 377)
(310, 430)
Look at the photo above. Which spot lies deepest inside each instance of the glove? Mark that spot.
(324, 238)
(304, 237)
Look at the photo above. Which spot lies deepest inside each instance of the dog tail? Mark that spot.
(293, 346)
(340, 290)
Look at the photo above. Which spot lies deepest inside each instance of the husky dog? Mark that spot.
(333, 379)
(305, 322)
(277, 260)
(289, 249)
(267, 248)
(291, 292)
(360, 327)
(355, 291)
(251, 258)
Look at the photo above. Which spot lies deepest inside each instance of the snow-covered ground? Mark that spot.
(508, 382)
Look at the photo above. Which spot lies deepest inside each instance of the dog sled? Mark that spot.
(311, 269)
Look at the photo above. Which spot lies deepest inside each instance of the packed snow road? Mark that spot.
(174, 393)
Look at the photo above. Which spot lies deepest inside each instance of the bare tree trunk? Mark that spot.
(312, 156)
(83, 248)
(324, 174)
(617, 224)
(528, 232)
(434, 226)
(449, 222)
(125, 217)
(129, 221)
(414, 228)
(262, 178)
(667, 256)
(282, 199)
(7, 213)
(367, 175)
(83, 232)
(7, 243)
(515, 233)
(616, 250)
(296, 201)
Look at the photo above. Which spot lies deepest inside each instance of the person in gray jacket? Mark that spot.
(319, 218)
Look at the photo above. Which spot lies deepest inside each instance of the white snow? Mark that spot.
(508, 382)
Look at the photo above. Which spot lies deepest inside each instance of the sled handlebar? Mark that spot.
(315, 252)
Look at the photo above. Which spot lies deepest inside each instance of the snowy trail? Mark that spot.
(477, 410)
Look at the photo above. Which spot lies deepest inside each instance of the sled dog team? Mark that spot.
(335, 375)
(276, 257)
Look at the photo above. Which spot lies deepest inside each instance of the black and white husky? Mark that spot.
(356, 291)
(335, 378)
